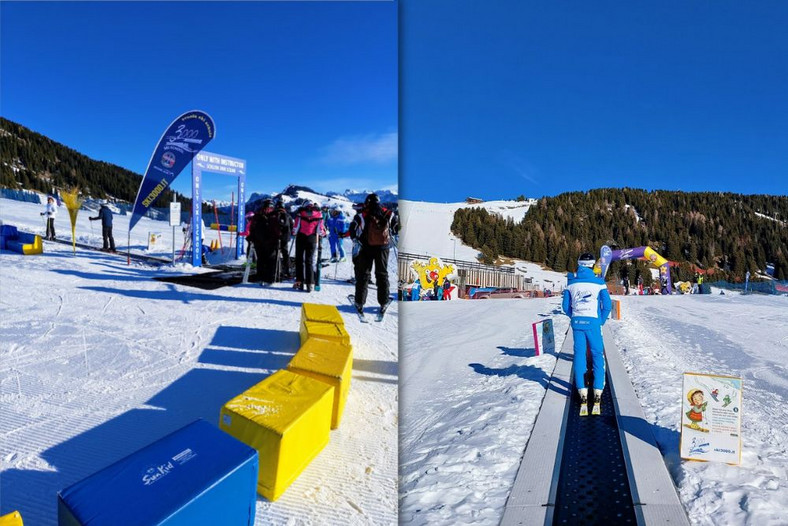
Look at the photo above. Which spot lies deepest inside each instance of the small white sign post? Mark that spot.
(711, 418)
(175, 220)
(544, 337)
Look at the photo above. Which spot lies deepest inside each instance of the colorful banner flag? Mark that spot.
(183, 139)
(605, 257)
(73, 203)
(711, 418)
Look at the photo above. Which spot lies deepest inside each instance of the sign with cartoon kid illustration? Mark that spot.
(711, 418)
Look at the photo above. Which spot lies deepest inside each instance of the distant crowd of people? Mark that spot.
(437, 290)
(661, 287)
(272, 230)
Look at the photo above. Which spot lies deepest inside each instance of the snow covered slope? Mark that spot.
(471, 390)
(426, 230)
(469, 400)
(97, 360)
(662, 337)
(470, 397)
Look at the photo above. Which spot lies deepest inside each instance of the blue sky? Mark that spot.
(537, 98)
(306, 92)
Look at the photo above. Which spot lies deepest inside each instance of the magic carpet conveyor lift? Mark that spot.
(603, 469)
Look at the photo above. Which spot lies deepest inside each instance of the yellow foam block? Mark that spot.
(322, 313)
(327, 331)
(12, 519)
(36, 247)
(287, 419)
(329, 362)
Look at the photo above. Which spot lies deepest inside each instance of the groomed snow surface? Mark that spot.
(471, 388)
(97, 360)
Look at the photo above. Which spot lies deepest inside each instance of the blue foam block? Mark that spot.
(7, 233)
(8, 230)
(25, 238)
(196, 475)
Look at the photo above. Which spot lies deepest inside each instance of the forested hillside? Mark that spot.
(728, 232)
(31, 161)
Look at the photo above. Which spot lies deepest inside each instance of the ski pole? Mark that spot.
(316, 277)
(290, 251)
(336, 263)
(278, 258)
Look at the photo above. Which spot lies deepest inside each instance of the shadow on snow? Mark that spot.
(199, 393)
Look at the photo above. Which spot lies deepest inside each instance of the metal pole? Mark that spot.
(173, 233)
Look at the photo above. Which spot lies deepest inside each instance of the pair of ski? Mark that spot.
(595, 410)
(360, 311)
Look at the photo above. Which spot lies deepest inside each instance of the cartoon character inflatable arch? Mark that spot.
(426, 273)
(647, 253)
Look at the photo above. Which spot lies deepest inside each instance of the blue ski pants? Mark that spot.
(589, 339)
(335, 242)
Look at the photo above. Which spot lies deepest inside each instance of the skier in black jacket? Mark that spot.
(284, 241)
(265, 232)
(105, 214)
(371, 230)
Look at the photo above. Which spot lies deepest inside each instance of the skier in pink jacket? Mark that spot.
(308, 226)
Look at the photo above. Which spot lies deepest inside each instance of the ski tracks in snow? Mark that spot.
(105, 360)
(468, 405)
(661, 338)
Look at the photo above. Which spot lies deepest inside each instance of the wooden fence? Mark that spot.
(476, 276)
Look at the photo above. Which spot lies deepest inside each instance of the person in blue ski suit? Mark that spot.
(415, 291)
(337, 228)
(587, 302)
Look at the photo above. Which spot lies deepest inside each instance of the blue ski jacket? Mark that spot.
(586, 300)
(336, 225)
(105, 214)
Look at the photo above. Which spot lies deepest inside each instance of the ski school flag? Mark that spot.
(183, 139)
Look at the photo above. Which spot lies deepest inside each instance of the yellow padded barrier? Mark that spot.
(12, 519)
(322, 313)
(287, 419)
(36, 247)
(329, 362)
(327, 331)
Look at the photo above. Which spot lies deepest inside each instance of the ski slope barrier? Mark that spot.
(288, 416)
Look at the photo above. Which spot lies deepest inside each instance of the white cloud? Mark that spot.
(521, 166)
(372, 148)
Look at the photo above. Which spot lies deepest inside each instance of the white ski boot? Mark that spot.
(597, 409)
(583, 401)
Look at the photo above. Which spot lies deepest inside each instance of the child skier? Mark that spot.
(50, 212)
(336, 231)
(587, 302)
